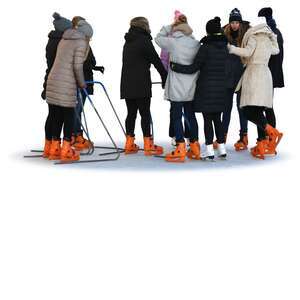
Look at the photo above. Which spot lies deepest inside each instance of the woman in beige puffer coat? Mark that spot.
(258, 44)
(65, 77)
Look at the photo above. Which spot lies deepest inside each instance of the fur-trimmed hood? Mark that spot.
(258, 29)
(184, 28)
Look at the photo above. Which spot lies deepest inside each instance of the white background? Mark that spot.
(138, 229)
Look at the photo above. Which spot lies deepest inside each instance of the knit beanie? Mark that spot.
(213, 26)
(60, 23)
(266, 12)
(177, 14)
(235, 15)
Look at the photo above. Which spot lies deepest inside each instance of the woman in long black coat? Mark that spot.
(136, 86)
(275, 63)
(210, 94)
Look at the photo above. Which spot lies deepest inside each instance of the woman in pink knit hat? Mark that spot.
(179, 17)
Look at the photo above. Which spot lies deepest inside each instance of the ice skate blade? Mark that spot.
(241, 149)
(194, 158)
(175, 160)
(131, 152)
(261, 157)
(69, 160)
(270, 154)
(223, 157)
(152, 153)
(208, 159)
(54, 158)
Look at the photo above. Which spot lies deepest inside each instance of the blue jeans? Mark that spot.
(190, 118)
(172, 129)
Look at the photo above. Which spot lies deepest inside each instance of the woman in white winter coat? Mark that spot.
(258, 44)
(178, 40)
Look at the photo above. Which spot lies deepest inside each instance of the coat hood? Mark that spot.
(73, 34)
(135, 33)
(183, 29)
(258, 29)
(261, 28)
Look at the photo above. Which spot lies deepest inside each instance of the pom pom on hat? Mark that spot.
(266, 12)
(177, 14)
(235, 15)
(213, 26)
(60, 23)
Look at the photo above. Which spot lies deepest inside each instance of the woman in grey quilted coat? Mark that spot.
(178, 41)
(65, 77)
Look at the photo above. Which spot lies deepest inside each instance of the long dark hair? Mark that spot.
(241, 32)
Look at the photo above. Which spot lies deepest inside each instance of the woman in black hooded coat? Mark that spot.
(136, 86)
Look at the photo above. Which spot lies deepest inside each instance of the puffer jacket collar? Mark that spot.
(73, 34)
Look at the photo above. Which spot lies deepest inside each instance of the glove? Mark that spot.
(83, 86)
(99, 68)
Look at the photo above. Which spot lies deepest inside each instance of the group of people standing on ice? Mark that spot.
(198, 77)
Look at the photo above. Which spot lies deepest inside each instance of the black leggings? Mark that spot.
(48, 124)
(212, 120)
(271, 119)
(143, 106)
(59, 117)
(270, 115)
(255, 114)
